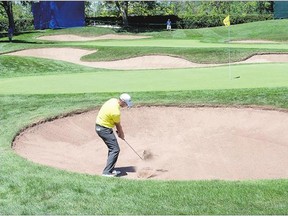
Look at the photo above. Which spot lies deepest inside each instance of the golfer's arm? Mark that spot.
(120, 130)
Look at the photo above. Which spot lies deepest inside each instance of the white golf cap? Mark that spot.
(126, 98)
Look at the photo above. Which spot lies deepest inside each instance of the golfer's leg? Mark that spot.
(110, 140)
(113, 154)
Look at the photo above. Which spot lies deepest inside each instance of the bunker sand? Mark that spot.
(186, 143)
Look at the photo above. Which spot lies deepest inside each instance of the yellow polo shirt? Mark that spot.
(109, 114)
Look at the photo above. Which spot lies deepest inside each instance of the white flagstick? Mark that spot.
(230, 74)
(226, 22)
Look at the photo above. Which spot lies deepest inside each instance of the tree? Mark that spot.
(123, 8)
(7, 5)
(138, 8)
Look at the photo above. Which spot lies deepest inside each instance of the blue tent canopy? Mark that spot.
(58, 14)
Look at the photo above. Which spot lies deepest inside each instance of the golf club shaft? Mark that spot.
(133, 149)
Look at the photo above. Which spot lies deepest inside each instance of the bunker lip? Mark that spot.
(216, 142)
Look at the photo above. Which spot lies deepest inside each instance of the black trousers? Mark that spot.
(110, 140)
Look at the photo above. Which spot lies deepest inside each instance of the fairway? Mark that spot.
(222, 77)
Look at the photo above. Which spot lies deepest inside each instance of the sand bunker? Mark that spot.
(69, 37)
(186, 143)
(74, 55)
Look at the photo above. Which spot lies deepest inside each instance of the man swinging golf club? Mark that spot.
(108, 117)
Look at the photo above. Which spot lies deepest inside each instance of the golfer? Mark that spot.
(108, 117)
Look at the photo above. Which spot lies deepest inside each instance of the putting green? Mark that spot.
(251, 76)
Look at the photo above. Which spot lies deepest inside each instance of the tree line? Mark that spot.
(10, 10)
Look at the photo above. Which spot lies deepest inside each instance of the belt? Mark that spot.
(102, 126)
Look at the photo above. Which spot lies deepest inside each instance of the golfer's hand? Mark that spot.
(120, 135)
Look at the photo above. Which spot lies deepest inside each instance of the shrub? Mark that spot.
(20, 25)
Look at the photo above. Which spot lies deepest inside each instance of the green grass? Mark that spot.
(251, 76)
(175, 43)
(36, 89)
(14, 66)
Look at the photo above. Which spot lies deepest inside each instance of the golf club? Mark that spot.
(133, 149)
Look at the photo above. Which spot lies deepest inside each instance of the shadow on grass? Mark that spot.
(4, 38)
(5, 34)
(20, 41)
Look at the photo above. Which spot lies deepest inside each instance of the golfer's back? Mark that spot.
(109, 114)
